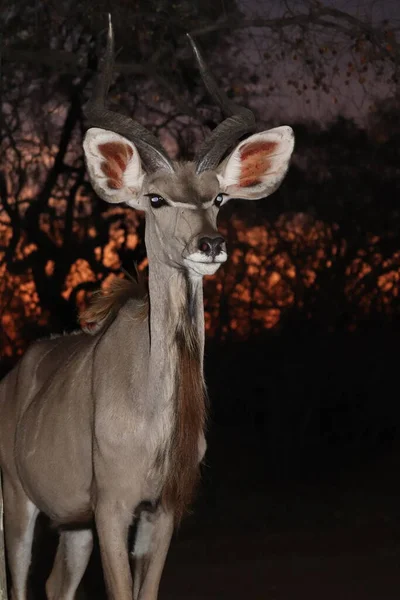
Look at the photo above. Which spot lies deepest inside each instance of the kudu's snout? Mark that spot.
(212, 246)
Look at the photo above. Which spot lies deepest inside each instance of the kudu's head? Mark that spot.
(126, 163)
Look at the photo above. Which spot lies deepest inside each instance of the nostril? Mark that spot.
(217, 245)
(205, 246)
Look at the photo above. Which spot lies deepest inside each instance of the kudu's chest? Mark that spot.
(148, 442)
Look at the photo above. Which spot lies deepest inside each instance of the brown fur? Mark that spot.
(255, 162)
(106, 303)
(117, 156)
(190, 417)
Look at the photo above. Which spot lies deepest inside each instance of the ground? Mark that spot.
(252, 536)
(332, 538)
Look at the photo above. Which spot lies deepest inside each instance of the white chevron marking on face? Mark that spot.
(201, 264)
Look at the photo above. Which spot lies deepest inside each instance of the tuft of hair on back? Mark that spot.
(106, 303)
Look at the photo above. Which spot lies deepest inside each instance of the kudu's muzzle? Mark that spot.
(199, 234)
(204, 248)
(212, 246)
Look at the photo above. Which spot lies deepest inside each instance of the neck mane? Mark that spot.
(176, 355)
(189, 412)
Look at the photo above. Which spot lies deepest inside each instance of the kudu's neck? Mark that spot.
(176, 390)
(176, 309)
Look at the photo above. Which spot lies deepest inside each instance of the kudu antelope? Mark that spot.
(105, 427)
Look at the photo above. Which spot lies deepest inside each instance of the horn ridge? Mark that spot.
(238, 122)
(97, 115)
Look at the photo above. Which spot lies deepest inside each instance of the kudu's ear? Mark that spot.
(114, 167)
(258, 165)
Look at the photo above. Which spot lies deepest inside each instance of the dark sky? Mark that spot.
(375, 9)
(354, 100)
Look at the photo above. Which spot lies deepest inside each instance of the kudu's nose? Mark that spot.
(211, 246)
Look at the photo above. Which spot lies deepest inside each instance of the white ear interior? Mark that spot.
(114, 166)
(258, 165)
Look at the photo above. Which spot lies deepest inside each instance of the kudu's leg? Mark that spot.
(73, 553)
(151, 546)
(153, 538)
(112, 523)
(20, 517)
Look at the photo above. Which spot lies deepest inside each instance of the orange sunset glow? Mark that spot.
(261, 283)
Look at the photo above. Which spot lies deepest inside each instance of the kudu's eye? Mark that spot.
(219, 200)
(157, 201)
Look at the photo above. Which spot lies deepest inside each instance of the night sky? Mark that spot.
(353, 100)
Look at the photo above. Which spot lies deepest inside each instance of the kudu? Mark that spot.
(107, 426)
